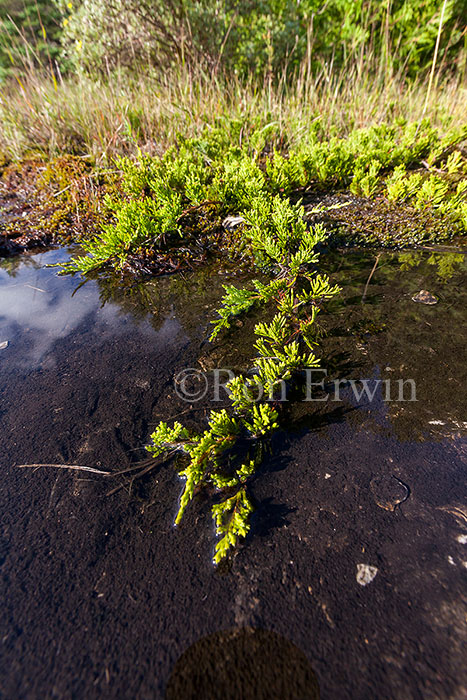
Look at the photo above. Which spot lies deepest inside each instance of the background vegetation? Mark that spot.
(99, 78)
(30, 32)
(239, 36)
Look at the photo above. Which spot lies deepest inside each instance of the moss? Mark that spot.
(62, 200)
(4, 162)
(365, 222)
(62, 175)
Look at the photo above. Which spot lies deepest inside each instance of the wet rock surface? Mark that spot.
(102, 596)
(247, 663)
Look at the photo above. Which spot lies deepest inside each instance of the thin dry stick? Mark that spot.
(136, 476)
(65, 466)
(192, 409)
(146, 466)
(142, 465)
(371, 275)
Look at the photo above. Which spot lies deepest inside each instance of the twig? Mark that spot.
(65, 466)
(136, 476)
(371, 275)
(140, 465)
(182, 413)
(55, 194)
(35, 288)
(146, 466)
(431, 167)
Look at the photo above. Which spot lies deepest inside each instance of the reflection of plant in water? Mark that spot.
(188, 296)
(12, 265)
(141, 298)
(447, 264)
(422, 343)
(367, 327)
(409, 260)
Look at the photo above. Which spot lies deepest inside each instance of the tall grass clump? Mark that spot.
(104, 117)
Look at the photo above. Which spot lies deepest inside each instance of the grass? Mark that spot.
(100, 119)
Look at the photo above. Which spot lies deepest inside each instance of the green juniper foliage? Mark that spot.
(226, 454)
(236, 177)
(440, 192)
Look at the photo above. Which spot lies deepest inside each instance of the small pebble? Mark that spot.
(365, 574)
(231, 222)
(424, 297)
(4, 344)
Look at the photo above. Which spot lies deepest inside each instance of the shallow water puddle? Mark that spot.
(358, 547)
(384, 336)
(38, 308)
